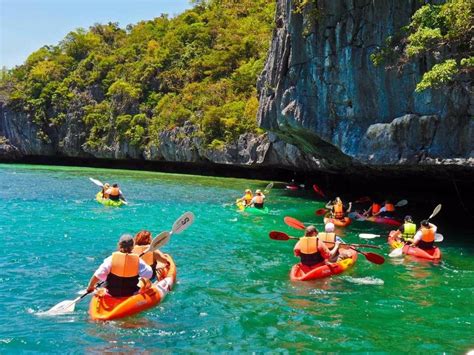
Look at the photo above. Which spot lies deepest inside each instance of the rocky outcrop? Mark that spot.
(319, 81)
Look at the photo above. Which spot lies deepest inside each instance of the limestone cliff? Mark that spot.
(319, 83)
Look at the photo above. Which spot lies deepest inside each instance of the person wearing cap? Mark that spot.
(105, 188)
(312, 250)
(407, 230)
(124, 272)
(246, 198)
(425, 237)
(115, 193)
(258, 200)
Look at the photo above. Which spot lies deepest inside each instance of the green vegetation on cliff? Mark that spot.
(443, 32)
(130, 84)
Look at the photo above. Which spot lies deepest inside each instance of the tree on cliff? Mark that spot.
(443, 33)
(131, 84)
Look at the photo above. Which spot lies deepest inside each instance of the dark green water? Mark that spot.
(233, 292)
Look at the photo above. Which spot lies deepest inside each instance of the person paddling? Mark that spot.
(388, 210)
(156, 260)
(104, 189)
(407, 230)
(258, 200)
(338, 209)
(425, 237)
(115, 193)
(312, 250)
(124, 271)
(246, 198)
(373, 210)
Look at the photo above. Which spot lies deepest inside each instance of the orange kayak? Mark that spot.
(430, 254)
(337, 222)
(300, 272)
(105, 307)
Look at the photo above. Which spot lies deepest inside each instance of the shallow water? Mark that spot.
(233, 292)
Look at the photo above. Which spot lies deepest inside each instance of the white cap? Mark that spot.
(329, 227)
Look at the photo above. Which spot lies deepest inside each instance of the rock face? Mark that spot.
(319, 80)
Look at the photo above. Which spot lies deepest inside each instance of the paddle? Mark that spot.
(293, 222)
(179, 226)
(268, 188)
(321, 212)
(318, 190)
(276, 235)
(363, 199)
(368, 235)
(372, 257)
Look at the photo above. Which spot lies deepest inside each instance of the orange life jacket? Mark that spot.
(309, 252)
(114, 192)
(147, 257)
(328, 238)
(427, 234)
(338, 210)
(376, 208)
(123, 277)
(389, 207)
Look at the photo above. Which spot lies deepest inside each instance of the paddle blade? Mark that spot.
(318, 190)
(368, 236)
(401, 203)
(435, 211)
(375, 258)
(63, 307)
(279, 235)
(396, 253)
(97, 182)
(268, 188)
(320, 212)
(159, 241)
(438, 238)
(293, 222)
(183, 222)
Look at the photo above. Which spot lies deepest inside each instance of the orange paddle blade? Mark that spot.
(293, 222)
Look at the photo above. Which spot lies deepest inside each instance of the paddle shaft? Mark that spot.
(354, 245)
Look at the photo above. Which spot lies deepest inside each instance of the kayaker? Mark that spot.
(115, 193)
(105, 188)
(338, 209)
(258, 200)
(247, 197)
(124, 271)
(374, 209)
(312, 250)
(330, 236)
(424, 238)
(156, 260)
(388, 210)
(407, 230)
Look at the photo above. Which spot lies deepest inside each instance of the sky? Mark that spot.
(27, 25)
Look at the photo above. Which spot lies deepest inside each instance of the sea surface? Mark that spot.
(233, 292)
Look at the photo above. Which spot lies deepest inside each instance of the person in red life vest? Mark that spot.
(156, 260)
(388, 210)
(124, 272)
(246, 198)
(373, 210)
(338, 210)
(258, 200)
(115, 193)
(312, 250)
(424, 238)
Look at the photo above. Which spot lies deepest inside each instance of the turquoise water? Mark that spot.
(233, 292)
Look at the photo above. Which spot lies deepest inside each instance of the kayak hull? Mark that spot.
(337, 222)
(300, 272)
(106, 201)
(377, 219)
(431, 254)
(105, 307)
(251, 210)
